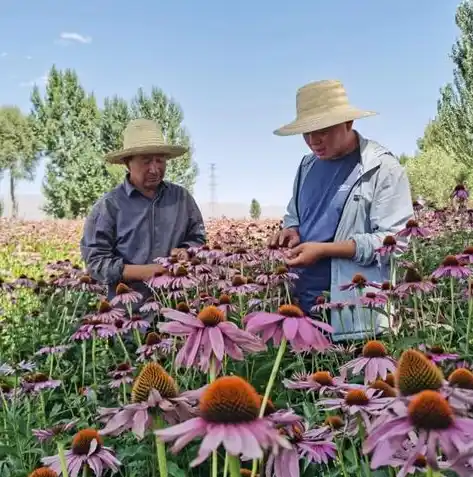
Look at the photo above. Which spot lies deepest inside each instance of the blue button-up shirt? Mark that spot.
(127, 228)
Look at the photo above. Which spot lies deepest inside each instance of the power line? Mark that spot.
(213, 190)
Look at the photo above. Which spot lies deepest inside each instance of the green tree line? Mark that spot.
(69, 130)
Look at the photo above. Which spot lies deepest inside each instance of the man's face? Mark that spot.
(147, 171)
(329, 142)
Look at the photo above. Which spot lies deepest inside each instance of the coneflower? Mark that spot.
(153, 391)
(87, 449)
(124, 295)
(43, 472)
(229, 410)
(156, 345)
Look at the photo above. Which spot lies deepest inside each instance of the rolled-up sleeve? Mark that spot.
(195, 233)
(391, 208)
(98, 244)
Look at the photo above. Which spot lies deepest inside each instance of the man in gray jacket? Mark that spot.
(144, 217)
(349, 194)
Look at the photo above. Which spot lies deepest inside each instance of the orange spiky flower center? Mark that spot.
(180, 272)
(247, 473)
(225, 300)
(359, 280)
(104, 306)
(238, 281)
(357, 397)
(320, 300)
(230, 399)
(152, 338)
(270, 407)
(123, 367)
(374, 349)
(389, 241)
(183, 307)
(385, 388)
(412, 224)
(122, 289)
(450, 261)
(461, 378)
(323, 378)
(386, 286)
(240, 251)
(43, 472)
(153, 376)
(334, 422)
(412, 276)
(281, 270)
(468, 251)
(429, 410)
(436, 349)
(195, 261)
(420, 461)
(416, 373)
(83, 440)
(36, 378)
(290, 311)
(85, 279)
(211, 316)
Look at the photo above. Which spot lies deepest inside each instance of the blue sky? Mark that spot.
(235, 68)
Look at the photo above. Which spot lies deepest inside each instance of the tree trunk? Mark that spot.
(14, 202)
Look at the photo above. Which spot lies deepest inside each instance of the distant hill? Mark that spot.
(30, 209)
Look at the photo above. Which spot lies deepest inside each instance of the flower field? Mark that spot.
(221, 374)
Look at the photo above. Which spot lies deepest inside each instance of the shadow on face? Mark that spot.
(146, 171)
(330, 142)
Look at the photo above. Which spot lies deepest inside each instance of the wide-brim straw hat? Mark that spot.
(319, 105)
(144, 136)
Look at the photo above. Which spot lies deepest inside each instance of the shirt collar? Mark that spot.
(130, 188)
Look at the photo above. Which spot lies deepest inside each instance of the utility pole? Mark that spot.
(213, 190)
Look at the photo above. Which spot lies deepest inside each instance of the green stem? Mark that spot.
(234, 466)
(161, 449)
(62, 459)
(212, 377)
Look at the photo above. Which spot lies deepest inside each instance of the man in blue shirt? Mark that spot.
(349, 194)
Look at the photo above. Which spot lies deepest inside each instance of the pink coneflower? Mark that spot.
(460, 193)
(413, 284)
(91, 328)
(389, 247)
(153, 391)
(159, 280)
(208, 335)
(86, 284)
(451, 268)
(156, 345)
(413, 229)
(136, 322)
(315, 446)
(125, 295)
(87, 449)
(150, 305)
(122, 374)
(240, 286)
(43, 472)
(38, 382)
(53, 350)
(437, 354)
(373, 300)
(466, 256)
(320, 381)
(273, 253)
(44, 435)
(198, 268)
(210, 254)
(289, 322)
(229, 415)
(180, 279)
(374, 361)
(239, 255)
(365, 403)
(358, 282)
(321, 304)
(224, 303)
(430, 416)
(282, 276)
(106, 313)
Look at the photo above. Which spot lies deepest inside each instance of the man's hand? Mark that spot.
(306, 254)
(180, 253)
(134, 273)
(285, 238)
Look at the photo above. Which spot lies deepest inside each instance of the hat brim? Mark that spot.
(316, 123)
(169, 152)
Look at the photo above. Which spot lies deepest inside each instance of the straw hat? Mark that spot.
(144, 136)
(319, 105)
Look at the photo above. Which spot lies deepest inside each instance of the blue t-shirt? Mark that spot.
(322, 198)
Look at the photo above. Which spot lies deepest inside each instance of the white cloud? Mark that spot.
(41, 81)
(68, 37)
(29, 57)
(2, 55)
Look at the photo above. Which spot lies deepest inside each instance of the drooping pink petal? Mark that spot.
(183, 318)
(261, 320)
(216, 340)
(290, 327)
